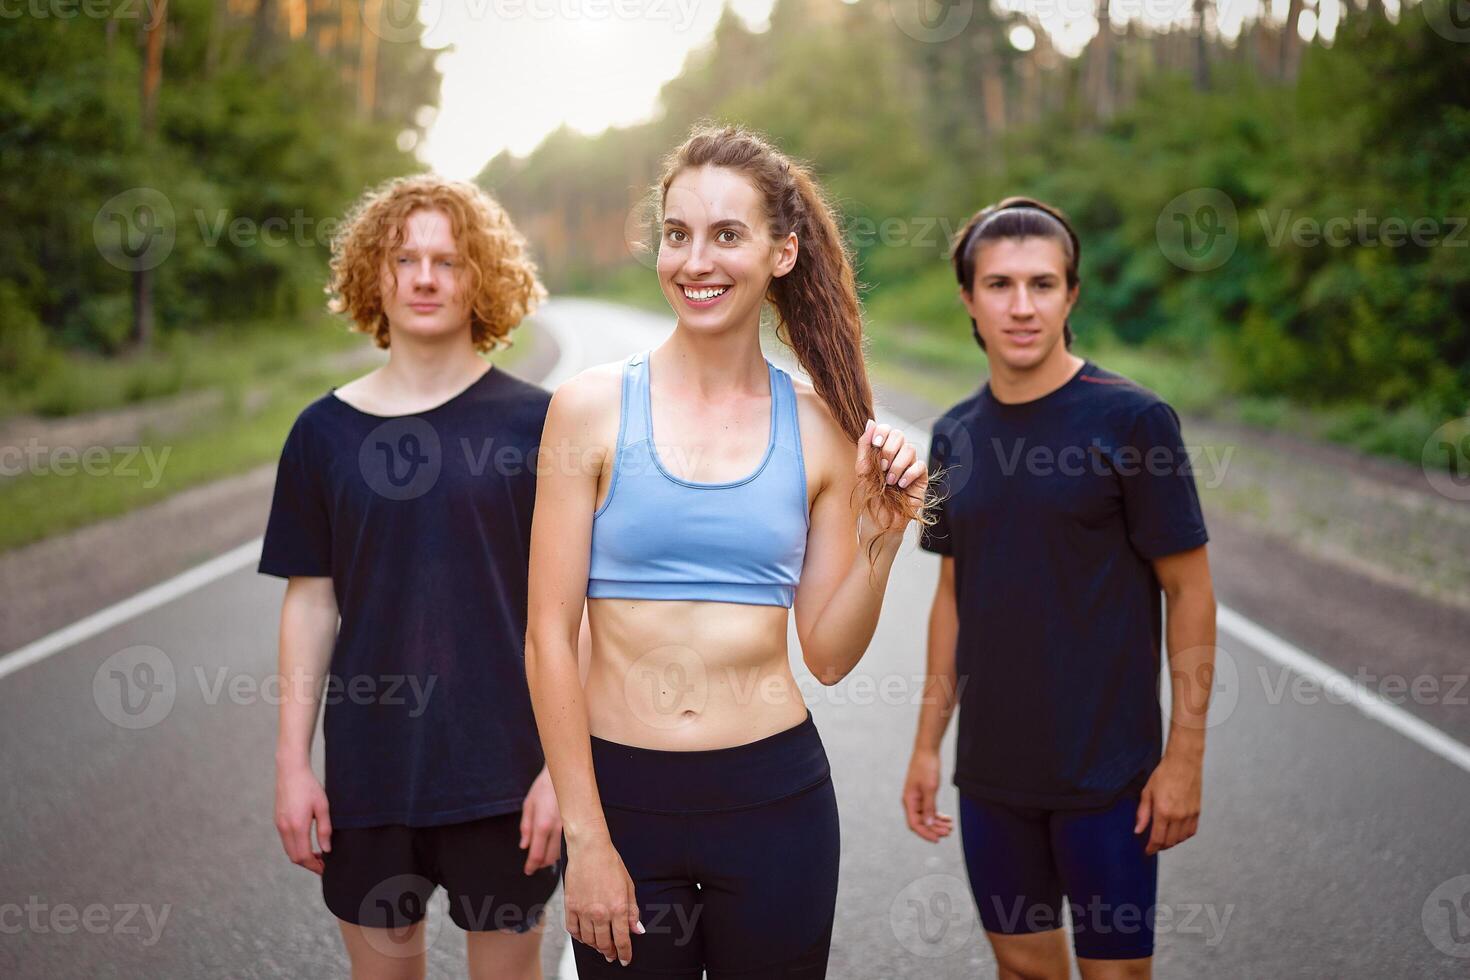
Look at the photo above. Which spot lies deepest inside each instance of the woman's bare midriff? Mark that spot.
(686, 675)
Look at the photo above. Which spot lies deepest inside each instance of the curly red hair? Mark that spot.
(501, 279)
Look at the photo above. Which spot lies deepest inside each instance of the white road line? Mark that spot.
(566, 967)
(1366, 700)
(1293, 658)
(151, 598)
(567, 362)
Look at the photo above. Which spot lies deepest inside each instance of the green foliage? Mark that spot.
(1372, 337)
(259, 146)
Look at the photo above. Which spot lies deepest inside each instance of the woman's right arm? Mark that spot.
(308, 633)
(601, 906)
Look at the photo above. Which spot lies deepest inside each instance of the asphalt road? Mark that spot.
(141, 844)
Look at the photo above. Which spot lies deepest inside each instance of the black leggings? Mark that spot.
(733, 853)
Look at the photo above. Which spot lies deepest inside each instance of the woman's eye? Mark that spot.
(676, 236)
(728, 237)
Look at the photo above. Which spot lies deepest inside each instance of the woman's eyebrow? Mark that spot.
(722, 223)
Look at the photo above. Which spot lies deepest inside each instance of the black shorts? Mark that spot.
(382, 877)
(733, 854)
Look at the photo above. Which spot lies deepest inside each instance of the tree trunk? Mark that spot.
(219, 21)
(1201, 48)
(261, 36)
(156, 32)
(1291, 42)
(1100, 66)
(367, 61)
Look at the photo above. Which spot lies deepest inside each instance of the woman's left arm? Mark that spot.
(840, 594)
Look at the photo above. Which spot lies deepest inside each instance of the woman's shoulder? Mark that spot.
(590, 396)
(826, 446)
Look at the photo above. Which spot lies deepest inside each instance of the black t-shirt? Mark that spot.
(423, 522)
(1054, 510)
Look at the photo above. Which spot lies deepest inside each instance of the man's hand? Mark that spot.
(541, 824)
(1171, 800)
(920, 787)
(300, 801)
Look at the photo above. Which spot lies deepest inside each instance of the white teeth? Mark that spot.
(704, 294)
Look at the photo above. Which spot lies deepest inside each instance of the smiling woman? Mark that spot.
(690, 774)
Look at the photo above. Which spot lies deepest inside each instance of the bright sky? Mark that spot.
(521, 68)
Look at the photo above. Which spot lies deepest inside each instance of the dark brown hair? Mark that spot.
(1015, 217)
(817, 310)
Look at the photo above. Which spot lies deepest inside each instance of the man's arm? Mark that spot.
(1172, 797)
(308, 632)
(921, 786)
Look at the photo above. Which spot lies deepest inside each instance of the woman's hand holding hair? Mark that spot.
(883, 446)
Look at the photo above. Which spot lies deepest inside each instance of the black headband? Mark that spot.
(964, 252)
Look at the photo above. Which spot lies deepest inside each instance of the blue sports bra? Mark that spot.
(659, 537)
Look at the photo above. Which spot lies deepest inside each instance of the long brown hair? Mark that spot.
(817, 311)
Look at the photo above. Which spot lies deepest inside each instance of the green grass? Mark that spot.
(228, 440)
(222, 358)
